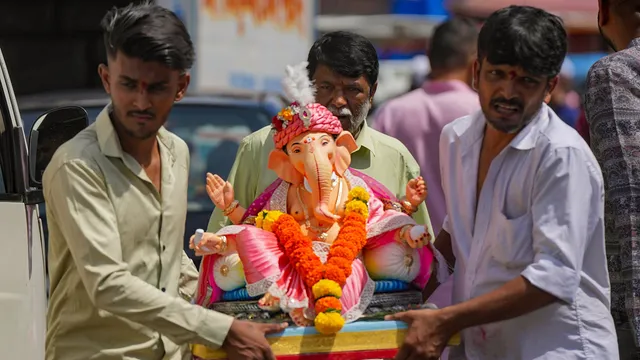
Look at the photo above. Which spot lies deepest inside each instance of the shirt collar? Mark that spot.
(527, 137)
(365, 139)
(110, 143)
(436, 87)
(471, 131)
(634, 43)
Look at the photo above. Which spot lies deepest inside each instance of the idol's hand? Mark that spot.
(416, 191)
(220, 192)
(209, 244)
(417, 236)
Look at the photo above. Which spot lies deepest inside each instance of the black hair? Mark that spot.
(148, 32)
(348, 54)
(524, 36)
(453, 43)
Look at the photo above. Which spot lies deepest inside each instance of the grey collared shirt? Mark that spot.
(612, 107)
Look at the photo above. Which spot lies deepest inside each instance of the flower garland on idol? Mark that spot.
(325, 280)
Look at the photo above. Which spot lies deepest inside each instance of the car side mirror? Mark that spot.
(51, 130)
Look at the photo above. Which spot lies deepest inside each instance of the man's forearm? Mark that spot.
(515, 298)
(127, 296)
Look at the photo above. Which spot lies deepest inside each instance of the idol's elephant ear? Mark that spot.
(345, 145)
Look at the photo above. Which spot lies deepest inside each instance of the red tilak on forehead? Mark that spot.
(512, 74)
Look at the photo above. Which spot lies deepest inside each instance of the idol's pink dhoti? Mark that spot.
(268, 269)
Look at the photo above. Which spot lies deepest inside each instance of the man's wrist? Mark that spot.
(214, 328)
(449, 323)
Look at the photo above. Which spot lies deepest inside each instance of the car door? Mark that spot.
(22, 275)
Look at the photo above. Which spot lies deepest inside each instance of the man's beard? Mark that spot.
(133, 133)
(350, 122)
(516, 127)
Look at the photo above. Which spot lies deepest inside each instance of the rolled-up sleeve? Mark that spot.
(188, 284)
(76, 196)
(445, 224)
(562, 209)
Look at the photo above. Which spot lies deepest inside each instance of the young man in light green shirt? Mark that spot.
(344, 67)
(116, 205)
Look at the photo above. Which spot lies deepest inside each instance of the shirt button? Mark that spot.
(164, 247)
(164, 289)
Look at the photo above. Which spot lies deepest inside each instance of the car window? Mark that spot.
(212, 133)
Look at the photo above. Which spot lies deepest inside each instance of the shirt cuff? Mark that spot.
(446, 225)
(549, 274)
(213, 328)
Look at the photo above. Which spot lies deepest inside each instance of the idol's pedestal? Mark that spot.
(368, 338)
(356, 341)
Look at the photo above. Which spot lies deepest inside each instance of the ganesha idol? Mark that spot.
(316, 245)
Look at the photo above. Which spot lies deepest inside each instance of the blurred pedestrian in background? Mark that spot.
(565, 101)
(417, 118)
(420, 68)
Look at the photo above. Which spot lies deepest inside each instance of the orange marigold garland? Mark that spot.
(298, 248)
(326, 280)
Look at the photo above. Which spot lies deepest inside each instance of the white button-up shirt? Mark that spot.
(539, 215)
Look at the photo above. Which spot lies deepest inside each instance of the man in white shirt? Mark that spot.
(524, 229)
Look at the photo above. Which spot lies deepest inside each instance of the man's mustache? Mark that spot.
(507, 102)
(141, 114)
(339, 112)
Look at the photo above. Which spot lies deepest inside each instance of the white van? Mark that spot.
(23, 298)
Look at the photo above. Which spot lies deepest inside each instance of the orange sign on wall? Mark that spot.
(282, 14)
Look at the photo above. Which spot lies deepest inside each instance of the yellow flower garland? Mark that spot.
(326, 287)
(266, 218)
(330, 321)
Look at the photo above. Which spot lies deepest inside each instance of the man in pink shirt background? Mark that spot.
(417, 118)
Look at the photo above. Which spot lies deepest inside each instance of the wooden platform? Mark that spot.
(356, 341)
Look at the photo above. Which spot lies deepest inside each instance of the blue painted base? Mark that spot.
(383, 286)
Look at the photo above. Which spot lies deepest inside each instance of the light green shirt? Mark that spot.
(119, 278)
(380, 156)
